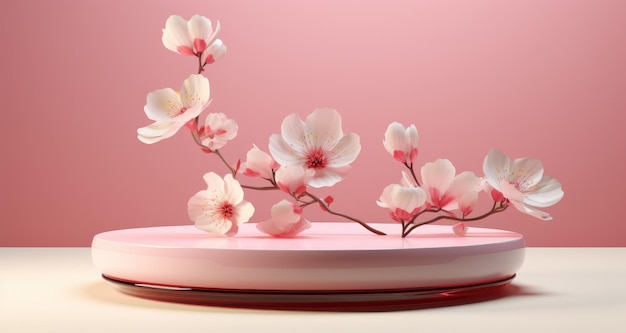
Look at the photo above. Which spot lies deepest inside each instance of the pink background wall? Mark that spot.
(534, 78)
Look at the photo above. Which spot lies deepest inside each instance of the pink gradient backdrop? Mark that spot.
(534, 78)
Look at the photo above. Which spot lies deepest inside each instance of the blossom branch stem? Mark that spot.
(200, 67)
(412, 225)
(327, 208)
(410, 167)
(260, 188)
(232, 170)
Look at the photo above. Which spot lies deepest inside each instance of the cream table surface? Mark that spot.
(556, 290)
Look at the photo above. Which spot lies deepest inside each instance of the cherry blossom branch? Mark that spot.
(412, 225)
(232, 170)
(330, 211)
(410, 167)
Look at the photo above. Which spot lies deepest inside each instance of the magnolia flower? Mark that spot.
(522, 182)
(190, 38)
(448, 191)
(317, 144)
(286, 221)
(217, 130)
(171, 110)
(293, 179)
(404, 202)
(401, 143)
(220, 209)
(259, 164)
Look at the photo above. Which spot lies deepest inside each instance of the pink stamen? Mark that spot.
(316, 159)
(227, 210)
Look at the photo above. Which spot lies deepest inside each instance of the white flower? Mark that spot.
(171, 110)
(317, 144)
(522, 182)
(217, 131)
(220, 209)
(401, 143)
(259, 164)
(286, 221)
(447, 190)
(404, 202)
(190, 38)
(293, 179)
(214, 52)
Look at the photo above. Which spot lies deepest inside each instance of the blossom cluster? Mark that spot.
(316, 153)
(448, 195)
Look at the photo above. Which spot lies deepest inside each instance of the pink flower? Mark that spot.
(317, 144)
(448, 191)
(401, 143)
(190, 38)
(404, 202)
(220, 209)
(522, 182)
(171, 110)
(217, 131)
(286, 221)
(293, 179)
(259, 164)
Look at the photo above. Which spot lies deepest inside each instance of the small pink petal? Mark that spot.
(459, 229)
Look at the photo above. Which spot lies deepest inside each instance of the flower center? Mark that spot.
(316, 159)
(226, 210)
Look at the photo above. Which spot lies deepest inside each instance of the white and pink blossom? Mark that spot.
(217, 131)
(449, 191)
(404, 202)
(401, 142)
(170, 110)
(522, 182)
(191, 37)
(286, 221)
(220, 209)
(294, 179)
(259, 164)
(317, 144)
(214, 52)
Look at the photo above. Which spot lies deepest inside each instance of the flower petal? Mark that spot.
(233, 192)
(496, 167)
(547, 193)
(176, 35)
(323, 128)
(346, 151)
(215, 184)
(526, 171)
(408, 198)
(327, 176)
(214, 52)
(200, 30)
(163, 105)
(282, 152)
(195, 90)
(438, 175)
(157, 131)
(395, 138)
(531, 211)
(292, 130)
(465, 181)
(243, 212)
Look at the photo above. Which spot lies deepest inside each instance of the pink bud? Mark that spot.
(459, 229)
